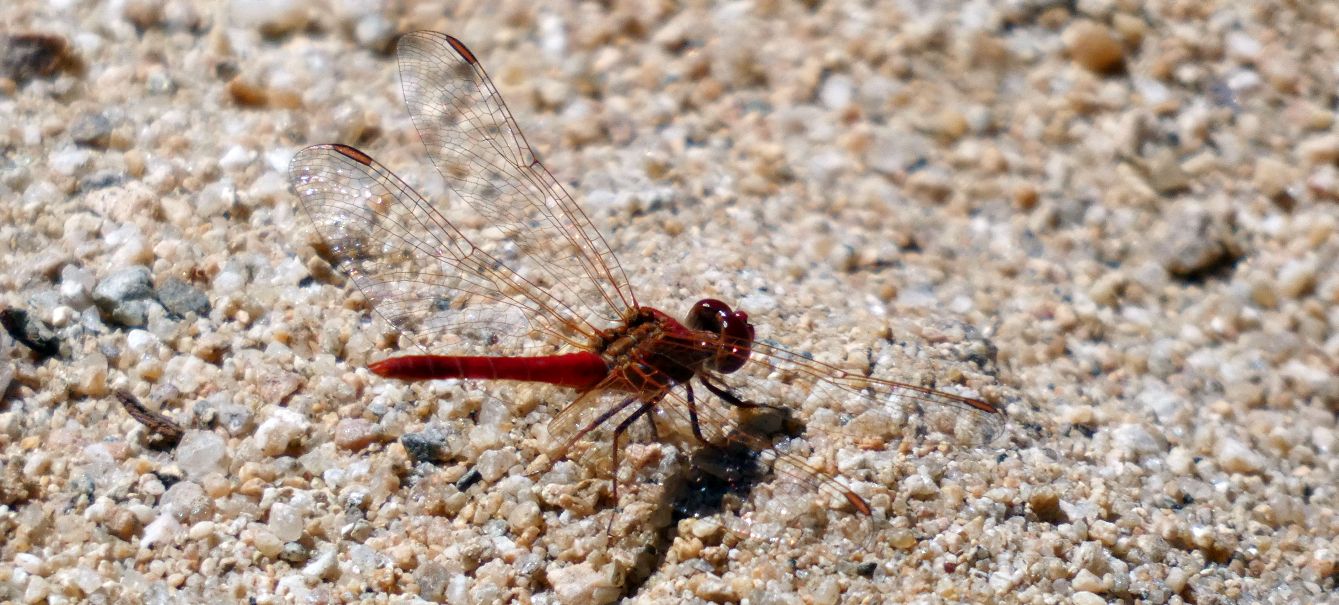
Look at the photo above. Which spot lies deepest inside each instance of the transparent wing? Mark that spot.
(873, 410)
(785, 463)
(480, 151)
(590, 416)
(869, 409)
(420, 272)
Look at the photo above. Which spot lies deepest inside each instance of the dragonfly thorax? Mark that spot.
(652, 350)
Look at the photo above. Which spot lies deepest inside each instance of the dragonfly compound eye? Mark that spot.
(736, 342)
(708, 314)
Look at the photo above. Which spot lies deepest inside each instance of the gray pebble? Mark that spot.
(182, 298)
(159, 83)
(126, 296)
(294, 552)
(425, 446)
(100, 179)
(6, 368)
(1197, 244)
(236, 419)
(432, 581)
(91, 130)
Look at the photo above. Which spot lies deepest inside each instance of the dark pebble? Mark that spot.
(27, 56)
(182, 298)
(425, 446)
(32, 332)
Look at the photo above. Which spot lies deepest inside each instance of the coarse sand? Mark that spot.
(1117, 220)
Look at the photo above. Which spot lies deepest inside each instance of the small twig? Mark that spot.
(158, 424)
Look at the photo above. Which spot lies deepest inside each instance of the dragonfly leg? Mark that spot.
(602, 418)
(692, 414)
(618, 432)
(731, 398)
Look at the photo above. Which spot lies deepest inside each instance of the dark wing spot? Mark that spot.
(461, 50)
(352, 154)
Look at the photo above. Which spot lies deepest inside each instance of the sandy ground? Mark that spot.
(1118, 220)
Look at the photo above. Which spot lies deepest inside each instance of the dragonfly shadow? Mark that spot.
(716, 483)
(721, 476)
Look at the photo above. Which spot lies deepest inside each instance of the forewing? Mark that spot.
(776, 428)
(871, 410)
(420, 272)
(478, 148)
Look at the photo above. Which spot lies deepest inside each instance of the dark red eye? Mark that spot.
(708, 314)
(711, 315)
(736, 342)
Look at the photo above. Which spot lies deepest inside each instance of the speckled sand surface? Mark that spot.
(1119, 219)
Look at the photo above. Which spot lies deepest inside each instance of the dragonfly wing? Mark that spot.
(480, 151)
(589, 417)
(867, 409)
(419, 272)
(778, 477)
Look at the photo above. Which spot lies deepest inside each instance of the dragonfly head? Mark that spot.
(733, 327)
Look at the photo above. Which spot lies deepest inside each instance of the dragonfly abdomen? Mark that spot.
(575, 370)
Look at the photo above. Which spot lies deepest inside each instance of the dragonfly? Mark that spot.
(519, 285)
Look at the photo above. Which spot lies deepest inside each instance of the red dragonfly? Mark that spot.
(537, 295)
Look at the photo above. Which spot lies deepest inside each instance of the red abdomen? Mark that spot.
(575, 370)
